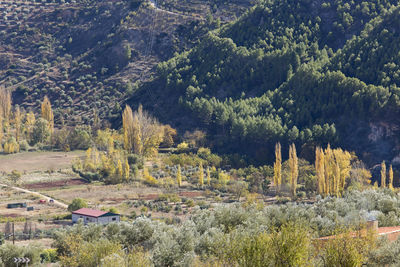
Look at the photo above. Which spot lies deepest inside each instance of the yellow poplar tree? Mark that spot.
(29, 123)
(201, 175)
(320, 170)
(208, 176)
(337, 180)
(120, 170)
(179, 176)
(278, 167)
(89, 164)
(17, 120)
(383, 174)
(329, 170)
(391, 177)
(294, 169)
(343, 163)
(126, 170)
(127, 124)
(5, 105)
(47, 112)
(332, 168)
(137, 135)
(132, 131)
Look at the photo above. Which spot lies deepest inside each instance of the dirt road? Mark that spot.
(55, 202)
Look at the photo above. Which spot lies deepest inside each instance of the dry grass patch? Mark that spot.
(38, 161)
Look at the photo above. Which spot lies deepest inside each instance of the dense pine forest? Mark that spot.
(308, 72)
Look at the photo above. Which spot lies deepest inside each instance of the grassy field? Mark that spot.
(26, 162)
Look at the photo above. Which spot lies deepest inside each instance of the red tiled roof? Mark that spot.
(388, 230)
(89, 212)
(381, 231)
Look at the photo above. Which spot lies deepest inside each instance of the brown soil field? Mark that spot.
(191, 194)
(55, 184)
(37, 161)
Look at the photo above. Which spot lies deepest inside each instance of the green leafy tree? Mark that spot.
(41, 132)
(77, 203)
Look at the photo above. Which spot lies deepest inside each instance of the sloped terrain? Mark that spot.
(266, 78)
(88, 56)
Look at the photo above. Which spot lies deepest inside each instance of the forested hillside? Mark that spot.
(248, 73)
(88, 55)
(284, 72)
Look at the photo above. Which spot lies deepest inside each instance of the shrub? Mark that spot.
(23, 145)
(347, 250)
(8, 252)
(80, 138)
(183, 147)
(11, 146)
(15, 176)
(77, 204)
(49, 255)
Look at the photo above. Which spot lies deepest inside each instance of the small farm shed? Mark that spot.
(16, 205)
(94, 216)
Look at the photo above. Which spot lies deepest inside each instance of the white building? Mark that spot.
(94, 216)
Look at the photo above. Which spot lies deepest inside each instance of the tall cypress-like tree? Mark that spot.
(47, 113)
(132, 130)
(29, 123)
(391, 177)
(294, 169)
(127, 124)
(278, 167)
(17, 121)
(5, 106)
(208, 176)
(179, 176)
(383, 174)
(332, 168)
(201, 175)
(320, 170)
(126, 170)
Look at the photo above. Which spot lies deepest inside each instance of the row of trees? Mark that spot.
(333, 169)
(293, 169)
(111, 166)
(19, 127)
(385, 176)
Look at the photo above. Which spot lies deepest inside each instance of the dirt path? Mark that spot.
(58, 203)
(153, 3)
